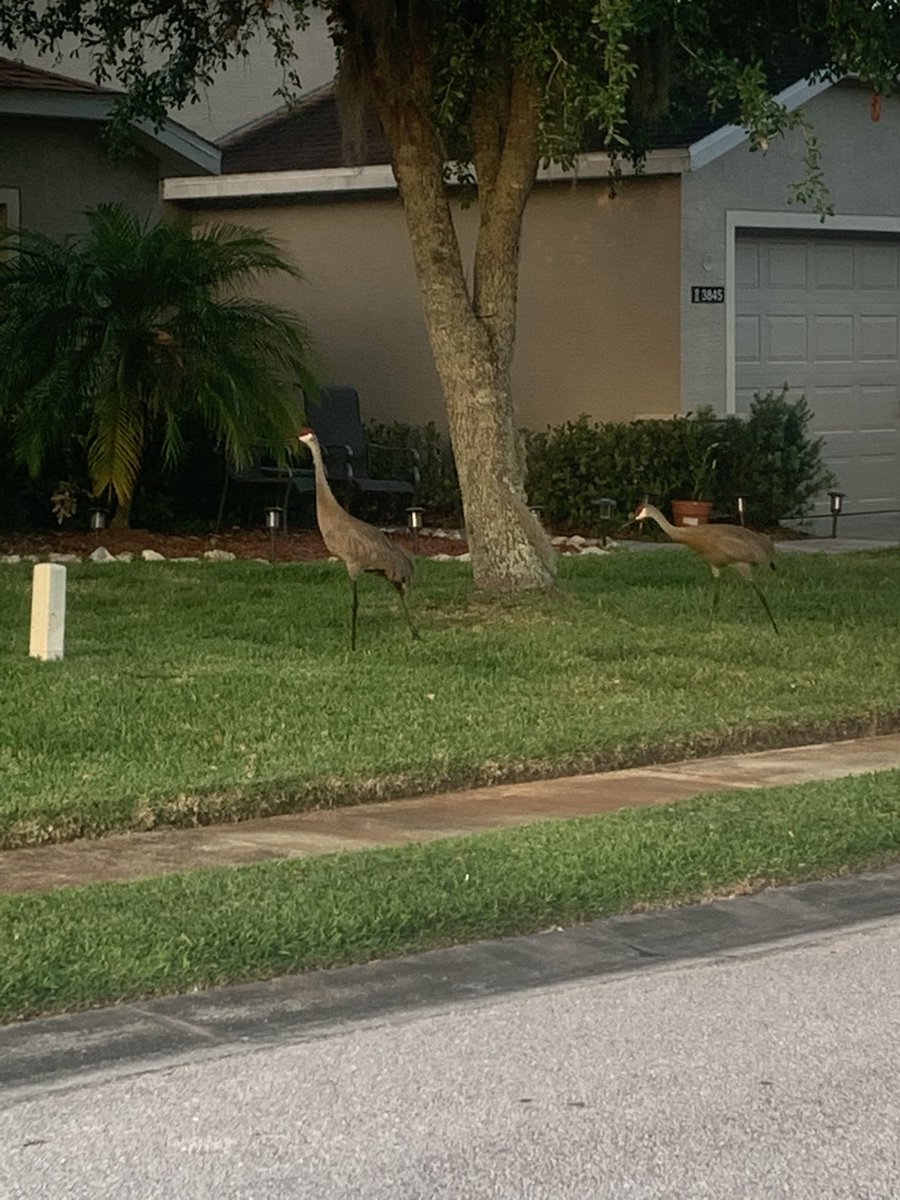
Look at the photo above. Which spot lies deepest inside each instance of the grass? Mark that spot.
(202, 692)
(75, 947)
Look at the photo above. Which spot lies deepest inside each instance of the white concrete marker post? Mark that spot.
(48, 611)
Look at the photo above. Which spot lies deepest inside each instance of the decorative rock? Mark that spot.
(467, 557)
(219, 556)
(59, 558)
(102, 555)
(12, 559)
(577, 540)
(125, 556)
(558, 541)
(443, 557)
(593, 550)
(187, 558)
(152, 556)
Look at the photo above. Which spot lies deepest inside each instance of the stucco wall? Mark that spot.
(861, 163)
(60, 168)
(599, 319)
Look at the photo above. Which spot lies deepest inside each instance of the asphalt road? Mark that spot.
(764, 1071)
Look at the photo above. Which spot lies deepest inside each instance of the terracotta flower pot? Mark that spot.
(691, 512)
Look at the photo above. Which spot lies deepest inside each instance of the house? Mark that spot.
(54, 163)
(696, 283)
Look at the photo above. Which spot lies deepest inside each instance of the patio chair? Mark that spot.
(335, 417)
(350, 458)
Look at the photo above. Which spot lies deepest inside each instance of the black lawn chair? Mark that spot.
(334, 416)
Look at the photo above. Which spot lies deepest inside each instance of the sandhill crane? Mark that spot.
(359, 546)
(721, 546)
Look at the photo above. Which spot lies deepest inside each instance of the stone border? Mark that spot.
(576, 544)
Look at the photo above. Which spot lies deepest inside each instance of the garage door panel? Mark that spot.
(823, 315)
(786, 339)
(746, 264)
(787, 265)
(748, 343)
(832, 339)
(879, 408)
(833, 268)
(878, 267)
(878, 338)
(833, 407)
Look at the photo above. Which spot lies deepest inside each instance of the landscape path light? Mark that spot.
(414, 521)
(837, 505)
(273, 524)
(606, 506)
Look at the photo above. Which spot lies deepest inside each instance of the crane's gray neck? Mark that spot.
(325, 501)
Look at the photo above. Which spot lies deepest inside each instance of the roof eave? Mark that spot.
(343, 180)
(178, 148)
(726, 138)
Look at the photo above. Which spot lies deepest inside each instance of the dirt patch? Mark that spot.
(295, 545)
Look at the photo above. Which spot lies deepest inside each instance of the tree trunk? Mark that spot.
(472, 336)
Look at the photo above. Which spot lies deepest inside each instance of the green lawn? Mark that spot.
(196, 692)
(80, 946)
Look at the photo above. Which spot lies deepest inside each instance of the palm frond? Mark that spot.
(135, 325)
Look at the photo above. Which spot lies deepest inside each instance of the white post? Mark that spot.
(48, 611)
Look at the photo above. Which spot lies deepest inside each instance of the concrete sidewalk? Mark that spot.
(393, 823)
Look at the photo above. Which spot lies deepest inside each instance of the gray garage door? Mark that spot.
(822, 314)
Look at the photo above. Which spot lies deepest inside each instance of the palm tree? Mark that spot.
(131, 329)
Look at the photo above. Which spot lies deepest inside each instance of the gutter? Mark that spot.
(343, 180)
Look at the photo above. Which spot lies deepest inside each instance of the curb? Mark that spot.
(72, 1050)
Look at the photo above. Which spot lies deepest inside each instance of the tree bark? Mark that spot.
(472, 335)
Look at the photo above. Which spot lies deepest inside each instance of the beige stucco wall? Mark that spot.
(598, 300)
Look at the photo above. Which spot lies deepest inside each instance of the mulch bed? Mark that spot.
(295, 545)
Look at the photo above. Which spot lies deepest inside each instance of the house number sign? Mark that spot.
(707, 295)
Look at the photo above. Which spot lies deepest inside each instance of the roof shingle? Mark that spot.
(16, 75)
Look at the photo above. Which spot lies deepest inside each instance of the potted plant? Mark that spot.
(700, 463)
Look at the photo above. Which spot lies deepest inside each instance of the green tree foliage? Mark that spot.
(116, 339)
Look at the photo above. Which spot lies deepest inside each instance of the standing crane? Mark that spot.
(721, 546)
(360, 546)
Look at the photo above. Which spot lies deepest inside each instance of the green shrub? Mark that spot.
(438, 491)
(571, 467)
(769, 458)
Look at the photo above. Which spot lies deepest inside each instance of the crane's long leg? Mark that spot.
(354, 605)
(412, 628)
(765, 602)
(715, 598)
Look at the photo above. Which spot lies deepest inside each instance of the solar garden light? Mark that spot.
(414, 521)
(98, 519)
(606, 507)
(742, 509)
(273, 524)
(837, 505)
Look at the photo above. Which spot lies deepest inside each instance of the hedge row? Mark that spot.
(769, 458)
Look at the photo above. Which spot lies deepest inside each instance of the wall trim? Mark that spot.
(11, 200)
(779, 222)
